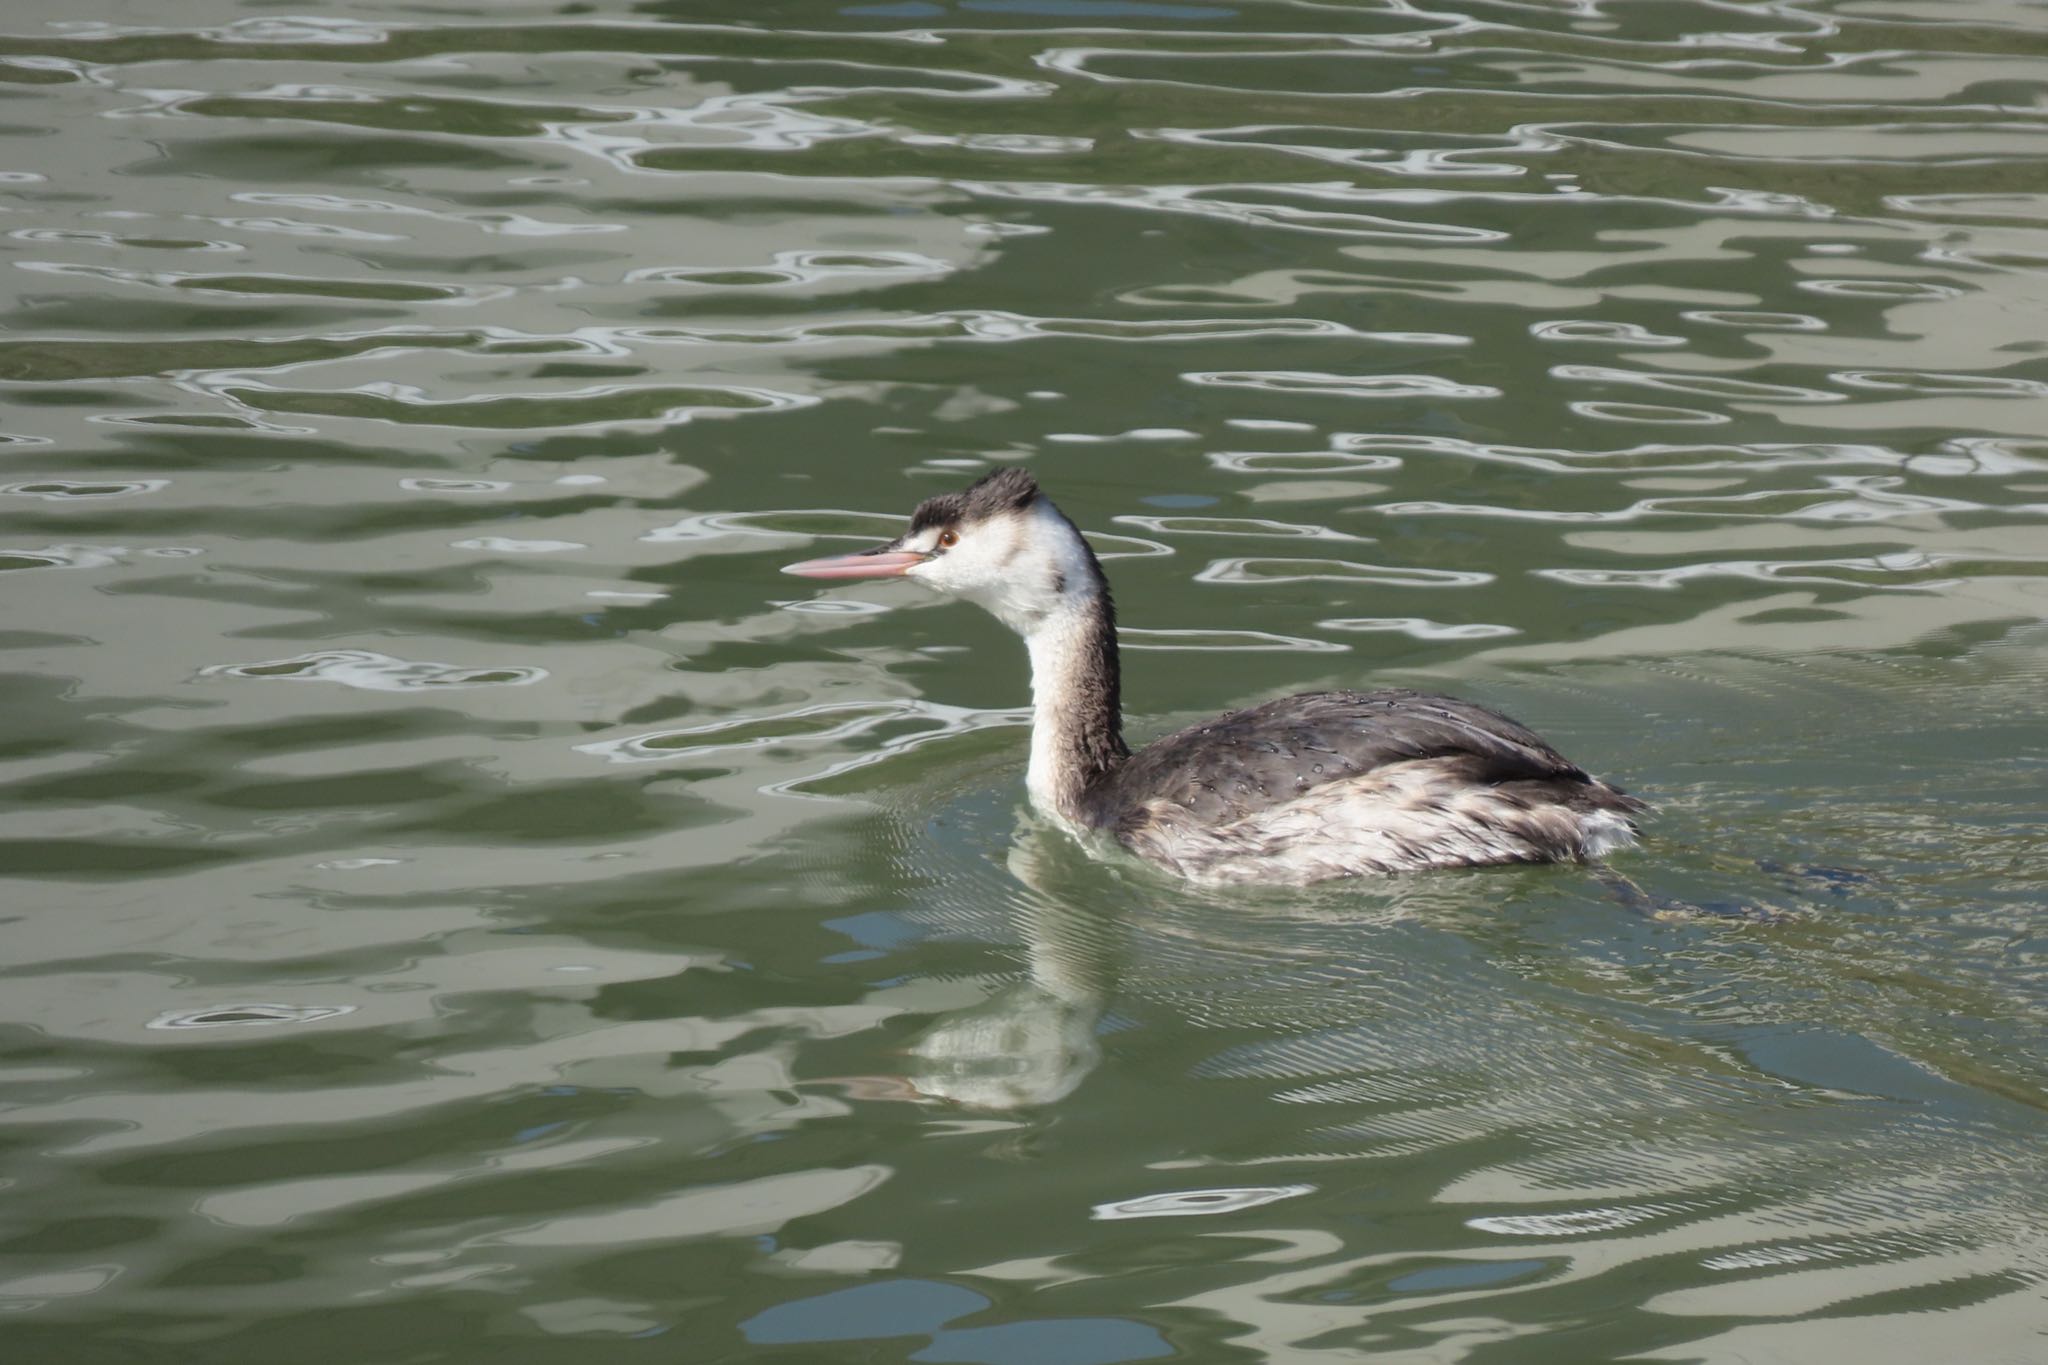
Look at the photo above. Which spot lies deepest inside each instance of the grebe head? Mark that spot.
(999, 543)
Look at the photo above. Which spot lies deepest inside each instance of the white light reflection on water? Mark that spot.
(374, 672)
(260, 1015)
(1198, 1203)
(1344, 385)
(1223, 641)
(1272, 570)
(1420, 628)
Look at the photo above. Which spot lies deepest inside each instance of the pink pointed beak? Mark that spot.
(867, 564)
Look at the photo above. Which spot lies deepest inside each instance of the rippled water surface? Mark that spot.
(461, 904)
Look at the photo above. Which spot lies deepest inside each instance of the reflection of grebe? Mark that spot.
(1324, 784)
(1034, 1041)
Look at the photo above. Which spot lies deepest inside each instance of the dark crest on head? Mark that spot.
(1004, 489)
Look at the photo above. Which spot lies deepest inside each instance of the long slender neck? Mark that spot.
(1077, 731)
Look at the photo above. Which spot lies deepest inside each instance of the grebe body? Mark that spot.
(1308, 787)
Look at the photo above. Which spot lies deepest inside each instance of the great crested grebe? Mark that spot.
(1323, 784)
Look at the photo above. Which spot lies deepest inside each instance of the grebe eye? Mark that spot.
(948, 539)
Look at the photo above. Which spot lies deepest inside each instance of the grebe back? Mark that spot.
(1323, 784)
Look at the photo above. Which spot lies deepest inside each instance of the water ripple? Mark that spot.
(247, 1016)
(1245, 571)
(1347, 386)
(1901, 571)
(1198, 1203)
(1255, 527)
(370, 671)
(366, 344)
(1222, 641)
(64, 490)
(1420, 628)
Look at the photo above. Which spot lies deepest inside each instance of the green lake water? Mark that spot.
(459, 903)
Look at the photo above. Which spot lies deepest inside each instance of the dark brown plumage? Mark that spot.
(1245, 761)
(1008, 489)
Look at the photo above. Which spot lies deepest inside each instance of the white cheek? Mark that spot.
(940, 571)
(1014, 568)
(963, 571)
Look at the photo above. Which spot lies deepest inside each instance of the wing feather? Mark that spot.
(1251, 760)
